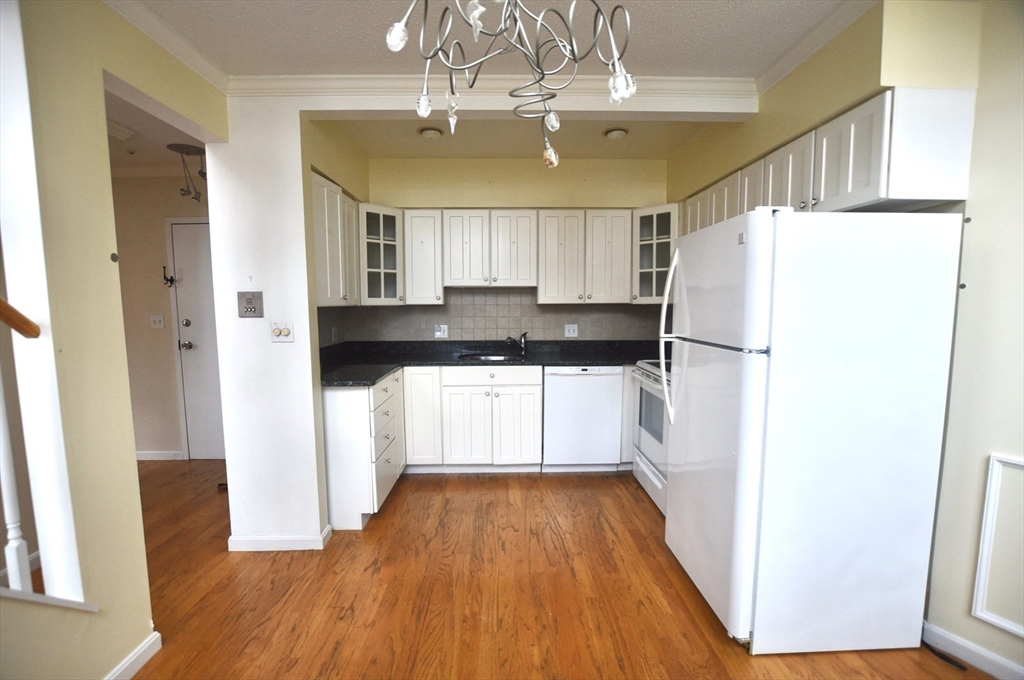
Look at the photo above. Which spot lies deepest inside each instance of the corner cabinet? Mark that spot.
(335, 217)
(422, 391)
(380, 255)
(423, 275)
(654, 230)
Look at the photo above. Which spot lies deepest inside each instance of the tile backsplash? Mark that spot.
(488, 314)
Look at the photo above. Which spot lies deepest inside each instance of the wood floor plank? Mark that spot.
(458, 576)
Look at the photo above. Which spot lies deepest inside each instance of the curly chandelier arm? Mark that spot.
(549, 47)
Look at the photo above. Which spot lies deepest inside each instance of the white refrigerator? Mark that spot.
(810, 364)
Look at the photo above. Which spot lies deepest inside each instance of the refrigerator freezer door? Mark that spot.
(714, 467)
(862, 324)
(723, 285)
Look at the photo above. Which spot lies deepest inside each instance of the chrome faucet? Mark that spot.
(521, 343)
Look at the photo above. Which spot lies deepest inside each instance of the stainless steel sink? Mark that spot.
(487, 357)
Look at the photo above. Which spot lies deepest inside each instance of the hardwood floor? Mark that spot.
(458, 576)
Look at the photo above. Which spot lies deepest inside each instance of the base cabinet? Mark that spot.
(422, 391)
(364, 442)
(491, 415)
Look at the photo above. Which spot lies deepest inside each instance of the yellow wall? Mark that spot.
(514, 183)
(930, 44)
(986, 400)
(68, 46)
(141, 206)
(841, 74)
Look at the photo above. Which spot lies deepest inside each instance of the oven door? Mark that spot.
(650, 423)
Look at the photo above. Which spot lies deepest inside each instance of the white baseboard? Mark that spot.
(274, 543)
(160, 455)
(33, 564)
(134, 662)
(977, 656)
(485, 469)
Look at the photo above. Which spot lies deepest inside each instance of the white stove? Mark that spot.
(650, 431)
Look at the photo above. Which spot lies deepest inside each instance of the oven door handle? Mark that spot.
(669, 406)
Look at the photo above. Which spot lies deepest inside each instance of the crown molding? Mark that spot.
(816, 38)
(143, 18)
(666, 98)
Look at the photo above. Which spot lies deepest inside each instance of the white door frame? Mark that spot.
(179, 378)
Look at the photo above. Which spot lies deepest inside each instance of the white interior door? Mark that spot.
(197, 339)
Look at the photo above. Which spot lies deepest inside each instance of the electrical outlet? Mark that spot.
(281, 331)
(572, 330)
(156, 321)
(441, 331)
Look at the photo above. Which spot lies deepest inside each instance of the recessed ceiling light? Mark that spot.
(616, 134)
(429, 133)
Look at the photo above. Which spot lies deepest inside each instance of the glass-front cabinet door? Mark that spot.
(654, 230)
(380, 255)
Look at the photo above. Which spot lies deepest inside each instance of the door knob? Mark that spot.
(186, 345)
(186, 322)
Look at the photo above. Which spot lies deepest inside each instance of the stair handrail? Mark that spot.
(18, 321)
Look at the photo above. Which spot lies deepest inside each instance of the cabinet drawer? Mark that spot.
(383, 415)
(385, 473)
(452, 376)
(389, 385)
(385, 437)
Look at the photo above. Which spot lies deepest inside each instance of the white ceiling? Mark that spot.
(669, 38)
(698, 38)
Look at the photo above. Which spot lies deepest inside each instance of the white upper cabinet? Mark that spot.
(788, 174)
(608, 256)
(906, 146)
(513, 247)
(850, 157)
(334, 237)
(724, 199)
(751, 186)
(423, 280)
(380, 255)
(697, 208)
(654, 229)
(467, 248)
(490, 248)
(561, 257)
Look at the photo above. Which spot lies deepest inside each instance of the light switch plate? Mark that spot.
(572, 330)
(250, 304)
(281, 331)
(156, 321)
(441, 331)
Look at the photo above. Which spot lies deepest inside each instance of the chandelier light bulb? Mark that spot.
(550, 155)
(453, 106)
(197, 197)
(474, 9)
(551, 121)
(423, 108)
(185, 192)
(397, 36)
(618, 85)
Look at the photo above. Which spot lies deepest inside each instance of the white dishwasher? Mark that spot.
(582, 418)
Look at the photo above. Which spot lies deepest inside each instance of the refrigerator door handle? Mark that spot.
(669, 407)
(666, 292)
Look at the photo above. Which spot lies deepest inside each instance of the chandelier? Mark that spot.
(190, 188)
(549, 54)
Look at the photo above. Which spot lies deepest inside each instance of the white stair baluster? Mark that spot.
(19, 575)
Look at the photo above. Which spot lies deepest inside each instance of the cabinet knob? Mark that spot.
(589, 296)
(803, 204)
(438, 297)
(634, 297)
(386, 389)
(487, 394)
(344, 297)
(396, 378)
(814, 201)
(401, 298)
(389, 461)
(495, 395)
(495, 279)
(492, 375)
(387, 413)
(581, 297)
(387, 436)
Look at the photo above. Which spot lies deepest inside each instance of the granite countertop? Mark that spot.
(355, 364)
